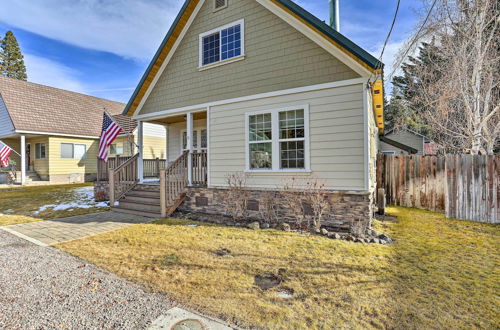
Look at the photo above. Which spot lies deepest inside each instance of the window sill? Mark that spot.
(214, 65)
(277, 171)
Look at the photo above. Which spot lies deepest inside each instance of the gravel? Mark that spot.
(45, 288)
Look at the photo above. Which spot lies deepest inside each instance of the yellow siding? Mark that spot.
(154, 147)
(41, 166)
(60, 165)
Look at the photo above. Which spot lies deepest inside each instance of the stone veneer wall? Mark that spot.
(101, 192)
(346, 208)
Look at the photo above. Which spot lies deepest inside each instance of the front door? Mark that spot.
(28, 156)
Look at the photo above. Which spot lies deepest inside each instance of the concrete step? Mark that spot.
(135, 212)
(139, 206)
(144, 194)
(140, 199)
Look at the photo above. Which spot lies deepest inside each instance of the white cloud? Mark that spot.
(129, 28)
(390, 55)
(47, 72)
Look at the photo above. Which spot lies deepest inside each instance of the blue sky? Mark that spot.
(102, 47)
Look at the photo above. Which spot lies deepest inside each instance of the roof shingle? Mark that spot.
(40, 108)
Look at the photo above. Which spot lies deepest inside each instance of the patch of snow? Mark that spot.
(150, 180)
(9, 211)
(284, 294)
(192, 225)
(83, 198)
(117, 203)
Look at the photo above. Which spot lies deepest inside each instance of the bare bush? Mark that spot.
(237, 198)
(268, 208)
(307, 200)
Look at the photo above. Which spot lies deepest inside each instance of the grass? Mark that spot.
(440, 273)
(18, 204)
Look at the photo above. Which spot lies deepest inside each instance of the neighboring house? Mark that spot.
(406, 141)
(265, 88)
(55, 131)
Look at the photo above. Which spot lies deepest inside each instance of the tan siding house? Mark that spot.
(266, 89)
(58, 131)
(406, 137)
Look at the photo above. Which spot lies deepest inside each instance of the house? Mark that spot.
(262, 88)
(406, 141)
(55, 133)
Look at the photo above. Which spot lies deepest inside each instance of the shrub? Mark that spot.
(237, 197)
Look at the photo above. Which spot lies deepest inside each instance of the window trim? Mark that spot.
(240, 57)
(73, 151)
(45, 146)
(276, 140)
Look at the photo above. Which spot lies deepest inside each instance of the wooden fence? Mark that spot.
(461, 186)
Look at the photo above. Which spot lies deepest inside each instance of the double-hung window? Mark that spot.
(40, 150)
(278, 140)
(222, 45)
(73, 151)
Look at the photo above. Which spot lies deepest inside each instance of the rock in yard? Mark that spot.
(324, 231)
(385, 238)
(375, 240)
(334, 236)
(350, 238)
(254, 225)
(285, 227)
(265, 226)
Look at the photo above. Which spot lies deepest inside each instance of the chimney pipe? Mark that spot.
(335, 14)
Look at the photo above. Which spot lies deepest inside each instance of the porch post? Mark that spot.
(190, 147)
(23, 160)
(166, 146)
(140, 143)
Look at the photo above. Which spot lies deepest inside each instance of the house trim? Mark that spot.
(164, 113)
(346, 49)
(56, 134)
(367, 132)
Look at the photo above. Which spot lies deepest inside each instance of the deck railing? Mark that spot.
(151, 167)
(123, 179)
(199, 160)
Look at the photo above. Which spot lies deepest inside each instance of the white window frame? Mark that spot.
(73, 152)
(45, 146)
(276, 166)
(240, 57)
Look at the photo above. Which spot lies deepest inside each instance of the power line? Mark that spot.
(379, 64)
(415, 38)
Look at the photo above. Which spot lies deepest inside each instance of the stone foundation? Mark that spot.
(101, 191)
(346, 208)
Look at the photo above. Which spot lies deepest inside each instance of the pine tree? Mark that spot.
(11, 58)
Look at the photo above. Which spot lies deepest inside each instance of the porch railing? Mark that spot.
(199, 160)
(123, 179)
(173, 182)
(151, 167)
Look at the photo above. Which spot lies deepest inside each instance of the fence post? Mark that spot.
(163, 194)
(111, 188)
(157, 165)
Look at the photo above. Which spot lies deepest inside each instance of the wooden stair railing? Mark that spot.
(173, 182)
(122, 179)
(199, 160)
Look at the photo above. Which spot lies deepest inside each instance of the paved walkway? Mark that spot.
(60, 230)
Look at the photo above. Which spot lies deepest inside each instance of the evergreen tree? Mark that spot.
(11, 58)
(406, 106)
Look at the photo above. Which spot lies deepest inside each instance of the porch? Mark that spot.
(156, 187)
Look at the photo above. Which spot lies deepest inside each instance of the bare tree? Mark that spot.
(237, 197)
(461, 95)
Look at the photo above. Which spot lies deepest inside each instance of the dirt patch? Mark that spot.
(222, 252)
(267, 281)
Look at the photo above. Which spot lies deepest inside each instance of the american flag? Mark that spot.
(110, 131)
(5, 151)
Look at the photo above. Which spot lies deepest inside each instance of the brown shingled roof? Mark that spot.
(39, 108)
(127, 123)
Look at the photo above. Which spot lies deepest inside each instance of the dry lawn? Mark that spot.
(439, 274)
(19, 204)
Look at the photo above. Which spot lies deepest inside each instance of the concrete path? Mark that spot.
(49, 232)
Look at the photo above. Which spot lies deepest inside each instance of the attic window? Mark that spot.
(220, 4)
(223, 45)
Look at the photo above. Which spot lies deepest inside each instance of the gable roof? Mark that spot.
(394, 131)
(126, 123)
(339, 40)
(39, 108)
(398, 145)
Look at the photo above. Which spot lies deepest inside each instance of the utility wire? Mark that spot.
(415, 38)
(379, 64)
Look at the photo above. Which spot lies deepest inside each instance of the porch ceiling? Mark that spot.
(180, 118)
